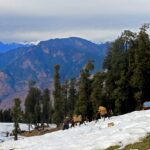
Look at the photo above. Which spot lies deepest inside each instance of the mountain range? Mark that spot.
(36, 62)
(4, 47)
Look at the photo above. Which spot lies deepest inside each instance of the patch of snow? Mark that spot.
(30, 43)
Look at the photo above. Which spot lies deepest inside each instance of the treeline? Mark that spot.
(128, 71)
(122, 87)
(5, 115)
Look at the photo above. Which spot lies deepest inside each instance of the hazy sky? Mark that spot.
(96, 20)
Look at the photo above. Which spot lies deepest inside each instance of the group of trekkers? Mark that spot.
(78, 119)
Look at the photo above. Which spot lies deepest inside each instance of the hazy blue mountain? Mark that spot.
(19, 66)
(4, 47)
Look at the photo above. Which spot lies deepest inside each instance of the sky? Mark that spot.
(96, 20)
(126, 129)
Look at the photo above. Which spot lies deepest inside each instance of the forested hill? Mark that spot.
(19, 66)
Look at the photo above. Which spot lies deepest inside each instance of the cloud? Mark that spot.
(93, 35)
(73, 7)
(36, 19)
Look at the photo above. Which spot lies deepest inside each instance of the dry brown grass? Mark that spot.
(37, 132)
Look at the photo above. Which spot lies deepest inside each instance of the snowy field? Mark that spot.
(8, 127)
(127, 129)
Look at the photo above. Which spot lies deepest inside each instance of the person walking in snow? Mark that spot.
(66, 123)
(97, 116)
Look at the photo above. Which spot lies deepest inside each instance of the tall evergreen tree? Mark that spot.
(97, 91)
(65, 98)
(58, 102)
(72, 96)
(16, 117)
(38, 108)
(81, 104)
(84, 104)
(47, 107)
(33, 106)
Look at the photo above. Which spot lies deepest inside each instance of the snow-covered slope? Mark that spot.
(8, 127)
(127, 129)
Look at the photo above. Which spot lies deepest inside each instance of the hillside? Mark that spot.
(127, 129)
(36, 63)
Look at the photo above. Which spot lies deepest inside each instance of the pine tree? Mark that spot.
(37, 109)
(33, 106)
(47, 107)
(16, 117)
(84, 104)
(97, 91)
(58, 102)
(65, 98)
(81, 104)
(72, 97)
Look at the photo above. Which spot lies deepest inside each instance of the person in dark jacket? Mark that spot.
(98, 116)
(66, 123)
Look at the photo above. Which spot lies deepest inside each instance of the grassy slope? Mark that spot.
(144, 144)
